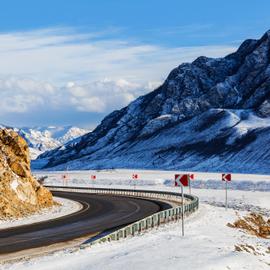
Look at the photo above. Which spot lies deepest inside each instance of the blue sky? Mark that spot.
(72, 62)
(171, 22)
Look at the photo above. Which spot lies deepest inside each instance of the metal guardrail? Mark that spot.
(155, 220)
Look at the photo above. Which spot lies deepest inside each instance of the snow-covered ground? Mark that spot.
(66, 207)
(153, 179)
(208, 244)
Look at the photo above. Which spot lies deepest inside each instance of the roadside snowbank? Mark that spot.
(66, 207)
(208, 244)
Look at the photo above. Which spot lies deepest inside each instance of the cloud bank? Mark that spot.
(63, 69)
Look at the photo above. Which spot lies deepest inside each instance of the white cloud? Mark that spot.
(20, 95)
(62, 54)
(25, 95)
(104, 95)
(63, 70)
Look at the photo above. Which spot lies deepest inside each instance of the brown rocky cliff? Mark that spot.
(20, 193)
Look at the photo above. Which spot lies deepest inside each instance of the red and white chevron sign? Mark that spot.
(93, 177)
(135, 176)
(226, 177)
(181, 180)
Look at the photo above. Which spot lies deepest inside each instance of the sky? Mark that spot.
(73, 62)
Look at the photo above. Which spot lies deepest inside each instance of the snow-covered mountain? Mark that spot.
(211, 115)
(41, 139)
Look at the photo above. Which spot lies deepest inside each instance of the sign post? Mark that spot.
(182, 180)
(135, 177)
(183, 209)
(227, 178)
(65, 178)
(93, 177)
(191, 177)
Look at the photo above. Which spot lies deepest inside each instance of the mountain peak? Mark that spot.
(267, 33)
(196, 96)
(41, 139)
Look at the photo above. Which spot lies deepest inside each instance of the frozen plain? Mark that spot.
(208, 244)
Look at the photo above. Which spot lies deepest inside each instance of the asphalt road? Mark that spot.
(100, 213)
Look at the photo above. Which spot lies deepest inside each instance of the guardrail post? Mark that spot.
(142, 225)
(166, 214)
(153, 221)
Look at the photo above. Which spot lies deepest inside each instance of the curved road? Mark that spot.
(99, 213)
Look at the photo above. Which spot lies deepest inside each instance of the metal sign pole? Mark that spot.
(226, 194)
(183, 232)
(66, 175)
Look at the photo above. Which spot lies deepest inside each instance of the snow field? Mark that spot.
(208, 242)
(153, 179)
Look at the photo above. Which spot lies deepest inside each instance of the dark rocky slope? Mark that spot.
(211, 114)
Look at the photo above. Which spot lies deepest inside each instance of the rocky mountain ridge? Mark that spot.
(20, 192)
(211, 112)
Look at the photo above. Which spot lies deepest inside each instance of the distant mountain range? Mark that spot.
(42, 139)
(209, 115)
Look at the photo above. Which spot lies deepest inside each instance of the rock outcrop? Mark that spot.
(211, 114)
(20, 193)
